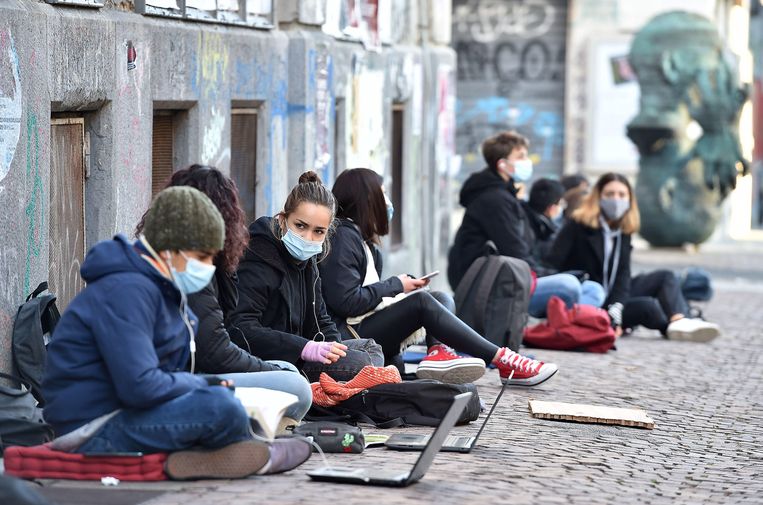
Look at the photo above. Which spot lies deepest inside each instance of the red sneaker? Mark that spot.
(527, 372)
(444, 365)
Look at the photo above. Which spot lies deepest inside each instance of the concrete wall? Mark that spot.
(56, 61)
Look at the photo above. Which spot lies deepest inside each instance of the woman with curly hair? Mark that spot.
(216, 351)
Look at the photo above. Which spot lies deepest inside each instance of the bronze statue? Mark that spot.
(685, 75)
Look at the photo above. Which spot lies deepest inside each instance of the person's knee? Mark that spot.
(221, 400)
(299, 387)
(567, 287)
(445, 300)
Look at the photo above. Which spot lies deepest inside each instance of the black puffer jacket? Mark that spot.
(216, 353)
(343, 272)
(580, 247)
(493, 212)
(275, 305)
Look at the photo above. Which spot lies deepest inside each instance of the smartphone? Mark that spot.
(429, 275)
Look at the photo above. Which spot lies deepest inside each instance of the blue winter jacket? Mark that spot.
(121, 343)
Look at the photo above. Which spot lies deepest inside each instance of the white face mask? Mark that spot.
(614, 208)
(523, 170)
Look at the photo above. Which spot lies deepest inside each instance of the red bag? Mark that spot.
(581, 328)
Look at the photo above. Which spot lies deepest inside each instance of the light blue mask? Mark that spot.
(196, 276)
(390, 209)
(299, 248)
(523, 170)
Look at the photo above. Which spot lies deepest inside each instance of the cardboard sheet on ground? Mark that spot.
(597, 414)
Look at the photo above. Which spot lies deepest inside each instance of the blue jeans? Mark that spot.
(287, 381)
(207, 417)
(568, 288)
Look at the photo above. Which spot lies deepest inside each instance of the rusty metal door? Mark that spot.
(67, 208)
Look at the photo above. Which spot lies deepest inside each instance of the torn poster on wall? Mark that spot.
(10, 103)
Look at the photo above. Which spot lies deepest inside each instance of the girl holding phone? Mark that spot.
(353, 290)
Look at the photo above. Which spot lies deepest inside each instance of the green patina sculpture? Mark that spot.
(684, 75)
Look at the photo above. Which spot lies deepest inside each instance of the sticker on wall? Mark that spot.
(132, 55)
(10, 103)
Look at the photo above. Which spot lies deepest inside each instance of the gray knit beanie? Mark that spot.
(182, 217)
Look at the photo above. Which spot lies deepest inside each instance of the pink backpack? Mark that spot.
(581, 328)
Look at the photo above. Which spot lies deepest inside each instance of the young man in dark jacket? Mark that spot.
(116, 378)
(494, 213)
(543, 209)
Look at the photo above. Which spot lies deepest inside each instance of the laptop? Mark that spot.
(453, 443)
(398, 478)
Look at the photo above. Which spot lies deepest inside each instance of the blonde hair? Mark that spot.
(589, 211)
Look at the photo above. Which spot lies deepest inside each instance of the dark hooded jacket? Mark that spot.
(544, 232)
(494, 213)
(343, 272)
(275, 311)
(216, 352)
(121, 343)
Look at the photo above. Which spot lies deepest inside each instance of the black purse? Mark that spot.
(333, 437)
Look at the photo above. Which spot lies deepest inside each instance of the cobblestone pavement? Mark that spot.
(706, 400)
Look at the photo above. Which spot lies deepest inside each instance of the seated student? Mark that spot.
(542, 210)
(280, 310)
(598, 241)
(116, 378)
(493, 213)
(352, 287)
(215, 352)
(576, 187)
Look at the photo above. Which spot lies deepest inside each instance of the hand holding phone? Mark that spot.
(429, 275)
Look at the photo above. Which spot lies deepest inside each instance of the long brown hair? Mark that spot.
(589, 211)
(359, 196)
(308, 189)
(224, 194)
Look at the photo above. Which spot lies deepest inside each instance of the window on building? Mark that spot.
(255, 13)
(162, 149)
(66, 226)
(396, 193)
(243, 157)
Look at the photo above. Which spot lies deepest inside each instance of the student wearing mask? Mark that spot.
(280, 310)
(597, 240)
(494, 213)
(117, 376)
(214, 301)
(353, 290)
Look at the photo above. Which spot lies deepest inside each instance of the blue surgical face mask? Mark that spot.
(390, 209)
(523, 170)
(195, 277)
(299, 248)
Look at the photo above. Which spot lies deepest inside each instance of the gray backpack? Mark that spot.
(493, 298)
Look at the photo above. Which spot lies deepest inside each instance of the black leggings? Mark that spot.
(655, 298)
(392, 325)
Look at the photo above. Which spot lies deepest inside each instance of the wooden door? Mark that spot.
(67, 208)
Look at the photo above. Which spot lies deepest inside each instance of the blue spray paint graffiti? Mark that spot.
(481, 118)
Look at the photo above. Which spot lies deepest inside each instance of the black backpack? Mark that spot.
(421, 402)
(696, 284)
(493, 297)
(21, 420)
(35, 321)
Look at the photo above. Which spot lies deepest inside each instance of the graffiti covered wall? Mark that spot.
(511, 74)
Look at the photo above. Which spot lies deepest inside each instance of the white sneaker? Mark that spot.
(693, 330)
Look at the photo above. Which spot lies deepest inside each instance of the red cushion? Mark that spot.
(42, 462)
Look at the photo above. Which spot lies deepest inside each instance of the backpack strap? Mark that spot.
(349, 416)
(42, 287)
(471, 274)
(16, 380)
(483, 291)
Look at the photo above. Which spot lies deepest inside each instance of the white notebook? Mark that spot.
(266, 406)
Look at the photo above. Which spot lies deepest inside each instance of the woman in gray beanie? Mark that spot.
(116, 378)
